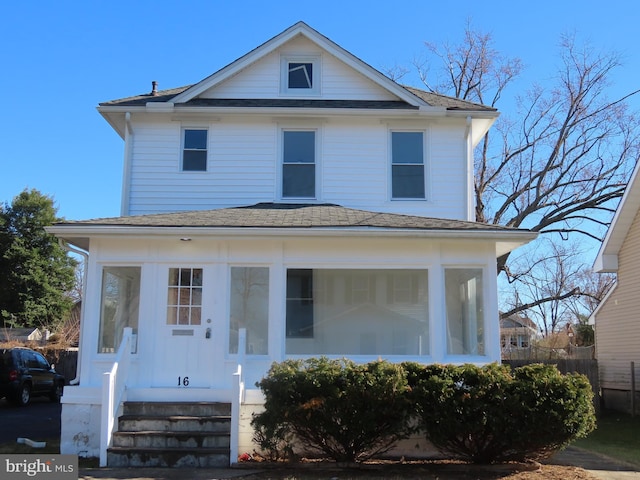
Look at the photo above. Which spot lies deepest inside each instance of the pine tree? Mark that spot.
(36, 273)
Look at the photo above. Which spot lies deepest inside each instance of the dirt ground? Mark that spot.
(425, 471)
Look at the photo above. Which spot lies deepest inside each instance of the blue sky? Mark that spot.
(59, 59)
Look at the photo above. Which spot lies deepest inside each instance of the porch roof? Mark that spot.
(288, 219)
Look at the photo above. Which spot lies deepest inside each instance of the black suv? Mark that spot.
(25, 373)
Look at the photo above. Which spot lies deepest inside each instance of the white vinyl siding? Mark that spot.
(262, 79)
(617, 325)
(245, 158)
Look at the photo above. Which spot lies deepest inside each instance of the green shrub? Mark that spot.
(489, 414)
(346, 411)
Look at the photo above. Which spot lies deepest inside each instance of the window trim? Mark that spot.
(183, 148)
(316, 163)
(314, 60)
(424, 163)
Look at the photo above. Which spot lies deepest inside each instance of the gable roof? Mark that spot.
(300, 28)
(408, 98)
(289, 219)
(607, 259)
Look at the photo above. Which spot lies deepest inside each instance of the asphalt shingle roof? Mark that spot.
(433, 99)
(276, 215)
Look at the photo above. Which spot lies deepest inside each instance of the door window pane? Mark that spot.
(119, 305)
(465, 319)
(250, 309)
(184, 296)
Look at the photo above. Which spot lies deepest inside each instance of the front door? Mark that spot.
(189, 347)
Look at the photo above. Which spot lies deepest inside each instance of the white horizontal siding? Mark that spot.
(262, 79)
(244, 164)
(447, 165)
(618, 320)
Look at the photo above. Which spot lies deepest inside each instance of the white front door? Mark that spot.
(189, 347)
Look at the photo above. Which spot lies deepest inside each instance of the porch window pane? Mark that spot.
(250, 308)
(119, 305)
(465, 318)
(357, 312)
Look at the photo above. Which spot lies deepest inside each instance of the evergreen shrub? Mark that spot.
(490, 414)
(335, 408)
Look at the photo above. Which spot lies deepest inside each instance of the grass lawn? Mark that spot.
(617, 436)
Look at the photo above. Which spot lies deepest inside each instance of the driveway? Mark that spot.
(38, 421)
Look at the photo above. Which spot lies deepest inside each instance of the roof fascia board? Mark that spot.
(323, 42)
(618, 228)
(154, 231)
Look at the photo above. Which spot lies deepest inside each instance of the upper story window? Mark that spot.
(299, 164)
(407, 165)
(300, 75)
(194, 150)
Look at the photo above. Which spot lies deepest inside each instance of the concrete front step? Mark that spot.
(206, 409)
(168, 457)
(154, 434)
(177, 423)
(151, 439)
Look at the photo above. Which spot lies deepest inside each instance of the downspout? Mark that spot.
(85, 255)
(469, 170)
(126, 168)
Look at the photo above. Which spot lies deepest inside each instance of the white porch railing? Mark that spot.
(114, 385)
(237, 397)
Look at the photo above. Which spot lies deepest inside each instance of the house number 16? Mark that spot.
(183, 381)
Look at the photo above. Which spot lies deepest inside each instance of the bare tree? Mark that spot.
(561, 162)
(556, 288)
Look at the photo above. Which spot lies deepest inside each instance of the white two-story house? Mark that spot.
(295, 203)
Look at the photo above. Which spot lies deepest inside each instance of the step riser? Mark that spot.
(175, 425)
(177, 408)
(175, 435)
(170, 441)
(166, 459)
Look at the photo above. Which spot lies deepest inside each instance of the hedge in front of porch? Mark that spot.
(351, 412)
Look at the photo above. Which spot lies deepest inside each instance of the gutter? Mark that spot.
(126, 167)
(85, 255)
(469, 168)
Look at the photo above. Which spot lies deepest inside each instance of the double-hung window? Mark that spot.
(407, 165)
(299, 164)
(194, 150)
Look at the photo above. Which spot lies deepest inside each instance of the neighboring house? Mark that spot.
(20, 334)
(517, 332)
(616, 326)
(298, 200)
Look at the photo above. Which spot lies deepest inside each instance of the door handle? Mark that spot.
(207, 333)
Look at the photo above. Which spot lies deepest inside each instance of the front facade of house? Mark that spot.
(295, 203)
(616, 319)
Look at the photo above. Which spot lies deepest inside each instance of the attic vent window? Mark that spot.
(300, 75)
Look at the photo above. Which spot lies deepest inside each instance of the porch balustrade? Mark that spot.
(113, 390)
